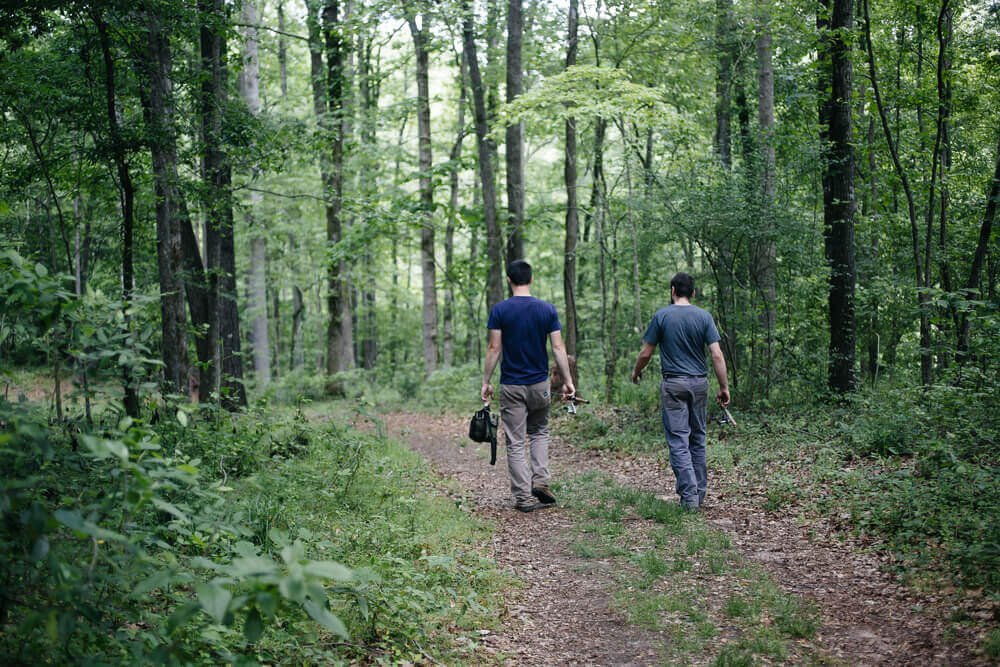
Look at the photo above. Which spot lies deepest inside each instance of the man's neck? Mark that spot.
(681, 301)
(521, 290)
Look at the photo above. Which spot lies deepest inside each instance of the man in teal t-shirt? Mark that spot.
(682, 332)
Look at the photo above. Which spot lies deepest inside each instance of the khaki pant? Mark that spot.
(524, 411)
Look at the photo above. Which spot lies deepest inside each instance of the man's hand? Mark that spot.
(723, 397)
(636, 377)
(569, 391)
(487, 392)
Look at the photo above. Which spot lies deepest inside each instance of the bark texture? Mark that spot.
(838, 187)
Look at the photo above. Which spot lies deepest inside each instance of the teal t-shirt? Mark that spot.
(682, 332)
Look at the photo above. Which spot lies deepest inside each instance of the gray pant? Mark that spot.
(683, 411)
(524, 411)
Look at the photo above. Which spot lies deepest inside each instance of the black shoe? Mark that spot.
(532, 508)
(544, 495)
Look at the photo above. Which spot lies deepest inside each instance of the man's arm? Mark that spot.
(645, 354)
(559, 351)
(494, 348)
(719, 363)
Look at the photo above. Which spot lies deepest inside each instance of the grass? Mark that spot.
(683, 577)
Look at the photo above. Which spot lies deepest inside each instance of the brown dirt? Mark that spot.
(562, 614)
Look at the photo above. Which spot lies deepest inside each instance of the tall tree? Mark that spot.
(572, 207)
(485, 150)
(765, 252)
(330, 109)
(835, 20)
(220, 243)
(514, 149)
(249, 84)
(421, 44)
(126, 189)
(449, 237)
(369, 86)
(725, 45)
(169, 248)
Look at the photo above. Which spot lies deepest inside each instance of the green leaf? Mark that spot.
(254, 627)
(164, 506)
(328, 570)
(325, 618)
(268, 603)
(67, 624)
(292, 588)
(182, 616)
(182, 418)
(69, 519)
(251, 566)
(159, 579)
(41, 270)
(40, 548)
(214, 600)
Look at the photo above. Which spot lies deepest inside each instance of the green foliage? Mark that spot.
(142, 543)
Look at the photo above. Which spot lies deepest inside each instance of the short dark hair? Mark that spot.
(683, 285)
(519, 272)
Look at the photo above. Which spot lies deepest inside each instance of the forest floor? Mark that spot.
(576, 603)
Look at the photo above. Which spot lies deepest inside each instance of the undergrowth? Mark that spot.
(214, 538)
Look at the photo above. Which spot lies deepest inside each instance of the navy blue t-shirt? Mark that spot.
(682, 333)
(524, 323)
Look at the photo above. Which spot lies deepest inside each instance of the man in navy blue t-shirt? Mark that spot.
(683, 331)
(518, 328)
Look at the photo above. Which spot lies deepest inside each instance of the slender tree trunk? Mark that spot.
(170, 253)
(514, 151)
(725, 43)
(282, 50)
(330, 108)
(449, 236)
(572, 207)
(249, 81)
(369, 88)
(838, 188)
(494, 281)
(972, 283)
(127, 198)
(221, 249)
(427, 264)
(766, 252)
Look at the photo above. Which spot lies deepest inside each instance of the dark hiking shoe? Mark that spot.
(544, 495)
(531, 508)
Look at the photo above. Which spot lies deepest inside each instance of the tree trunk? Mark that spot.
(972, 284)
(514, 150)
(249, 81)
(766, 253)
(449, 236)
(169, 249)
(427, 265)
(572, 207)
(484, 145)
(330, 110)
(221, 249)
(725, 43)
(838, 188)
(369, 102)
(298, 311)
(282, 50)
(126, 192)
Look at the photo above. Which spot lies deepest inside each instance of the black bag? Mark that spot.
(483, 428)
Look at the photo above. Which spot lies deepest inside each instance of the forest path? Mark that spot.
(563, 615)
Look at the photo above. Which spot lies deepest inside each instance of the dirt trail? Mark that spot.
(562, 616)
